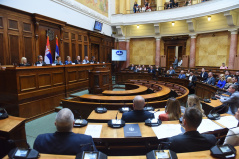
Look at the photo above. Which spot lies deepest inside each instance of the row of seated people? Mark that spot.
(65, 142)
(174, 3)
(149, 69)
(58, 61)
(144, 8)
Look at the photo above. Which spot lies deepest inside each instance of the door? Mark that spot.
(170, 55)
(95, 51)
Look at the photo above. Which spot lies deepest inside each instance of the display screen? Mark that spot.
(154, 120)
(225, 149)
(98, 26)
(90, 156)
(125, 109)
(162, 155)
(21, 153)
(119, 55)
(100, 109)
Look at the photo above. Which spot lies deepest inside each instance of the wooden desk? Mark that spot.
(122, 77)
(207, 107)
(30, 91)
(13, 128)
(135, 90)
(114, 99)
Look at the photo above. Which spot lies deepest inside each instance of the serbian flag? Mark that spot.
(48, 58)
(57, 49)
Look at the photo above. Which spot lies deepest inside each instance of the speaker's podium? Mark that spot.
(99, 80)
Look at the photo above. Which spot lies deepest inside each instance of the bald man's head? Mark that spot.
(139, 103)
(64, 120)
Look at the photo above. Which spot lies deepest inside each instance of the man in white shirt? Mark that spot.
(85, 61)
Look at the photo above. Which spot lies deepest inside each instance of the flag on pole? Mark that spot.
(48, 57)
(57, 48)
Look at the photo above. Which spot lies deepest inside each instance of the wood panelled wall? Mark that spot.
(24, 35)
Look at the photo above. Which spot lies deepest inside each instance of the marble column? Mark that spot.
(157, 52)
(128, 52)
(160, 5)
(192, 51)
(233, 48)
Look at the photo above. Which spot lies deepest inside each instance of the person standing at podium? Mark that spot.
(138, 114)
(63, 141)
(40, 60)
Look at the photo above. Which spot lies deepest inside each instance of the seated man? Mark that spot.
(182, 75)
(131, 67)
(235, 81)
(227, 74)
(85, 61)
(138, 114)
(77, 61)
(204, 75)
(233, 100)
(63, 141)
(40, 60)
(192, 82)
(233, 134)
(192, 140)
(151, 70)
(93, 60)
(136, 69)
(210, 80)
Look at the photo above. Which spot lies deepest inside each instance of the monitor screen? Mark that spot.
(119, 55)
(98, 26)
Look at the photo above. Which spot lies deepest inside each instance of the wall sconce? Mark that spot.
(173, 23)
(137, 26)
(208, 18)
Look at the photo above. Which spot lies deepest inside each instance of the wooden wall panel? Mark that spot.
(44, 80)
(1, 49)
(27, 82)
(66, 50)
(14, 48)
(28, 48)
(72, 76)
(58, 78)
(73, 51)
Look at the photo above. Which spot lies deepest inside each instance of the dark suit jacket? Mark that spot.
(151, 71)
(192, 141)
(38, 62)
(76, 62)
(205, 76)
(136, 116)
(211, 81)
(63, 143)
(24, 65)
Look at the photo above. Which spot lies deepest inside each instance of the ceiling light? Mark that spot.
(208, 18)
(173, 23)
(138, 26)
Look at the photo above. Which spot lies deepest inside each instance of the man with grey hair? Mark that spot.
(138, 114)
(233, 100)
(63, 141)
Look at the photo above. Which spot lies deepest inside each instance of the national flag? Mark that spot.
(48, 57)
(57, 49)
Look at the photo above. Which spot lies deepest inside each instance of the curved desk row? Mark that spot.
(131, 89)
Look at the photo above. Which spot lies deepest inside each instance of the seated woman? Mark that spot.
(68, 61)
(144, 68)
(188, 73)
(229, 83)
(221, 83)
(194, 101)
(172, 110)
(139, 68)
(24, 62)
(223, 66)
(58, 61)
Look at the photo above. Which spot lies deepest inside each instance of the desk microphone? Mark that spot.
(153, 121)
(148, 108)
(116, 123)
(216, 113)
(79, 122)
(100, 109)
(3, 113)
(124, 109)
(92, 154)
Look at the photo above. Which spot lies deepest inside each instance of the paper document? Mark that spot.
(93, 130)
(228, 121)
(208, 125)
(167, 130)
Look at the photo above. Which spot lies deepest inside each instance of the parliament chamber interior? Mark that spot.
(119, 79)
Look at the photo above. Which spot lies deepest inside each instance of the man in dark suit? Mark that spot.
(77, 61)
(227, 74)
(204, 75)
(131, 67)
(210, 80)
(192, 140)
(175, 64)
(151, 70)
(40, 60)
(63, 141)
(192, 82)
(93, 60)
(138, 114)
